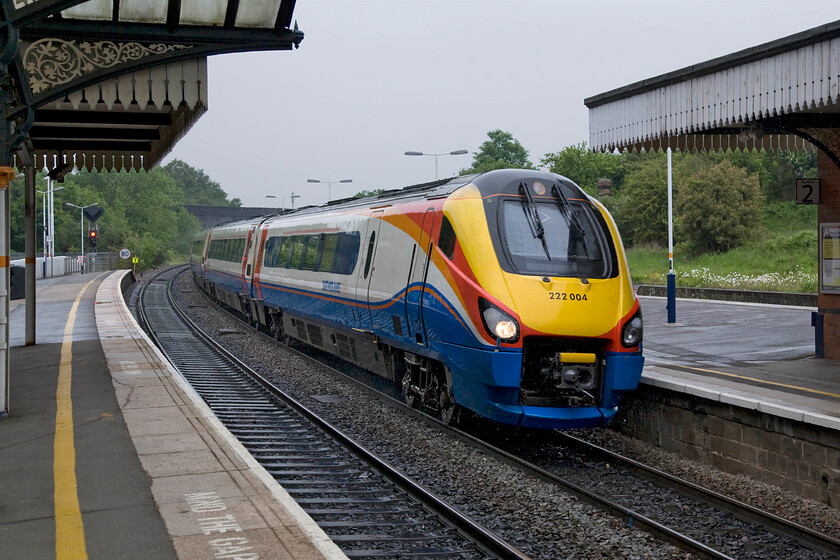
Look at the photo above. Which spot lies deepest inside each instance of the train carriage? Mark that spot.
(505, 293)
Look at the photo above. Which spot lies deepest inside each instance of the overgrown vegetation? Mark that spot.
(144, 212)
(782, 258)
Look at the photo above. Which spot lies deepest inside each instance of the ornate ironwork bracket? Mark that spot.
(53, 62)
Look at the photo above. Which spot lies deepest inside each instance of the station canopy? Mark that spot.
(113, 84)
(781, 95)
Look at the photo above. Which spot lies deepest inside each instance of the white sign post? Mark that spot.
(125, 253)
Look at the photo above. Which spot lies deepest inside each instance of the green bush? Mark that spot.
(718, 208)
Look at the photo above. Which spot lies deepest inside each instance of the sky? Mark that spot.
(374, 79)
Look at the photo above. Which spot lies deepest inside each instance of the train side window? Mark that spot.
(298, 246)
(328, 252)
(447, 238)
(346, 252)
(311, 252)
(369, 252)
(285, 252)
(271, 251)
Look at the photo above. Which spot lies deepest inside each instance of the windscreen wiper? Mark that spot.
(533, 214)
(571, 218)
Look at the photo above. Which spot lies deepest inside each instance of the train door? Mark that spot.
(362, 311)
(248, 260)
(255, 258)
(416, 284)
(204, 252)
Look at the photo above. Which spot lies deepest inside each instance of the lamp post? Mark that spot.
(82, 226)
(49, 222)
(329, 185)
(293, 196)
(282, 200)
(454, 153)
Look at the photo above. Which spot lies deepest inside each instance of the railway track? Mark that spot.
(585, 471)
(368, 508)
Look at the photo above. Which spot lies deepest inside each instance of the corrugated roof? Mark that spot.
(767, 96)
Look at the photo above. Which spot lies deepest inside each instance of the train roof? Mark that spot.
(434, 189)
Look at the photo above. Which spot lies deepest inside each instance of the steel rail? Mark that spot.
(808, 537)
(776, 524)
(485, 540)
(632, 518)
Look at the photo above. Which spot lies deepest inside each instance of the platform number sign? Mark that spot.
(807, 191)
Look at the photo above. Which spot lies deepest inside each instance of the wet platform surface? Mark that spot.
(107, 453)
(753, 353)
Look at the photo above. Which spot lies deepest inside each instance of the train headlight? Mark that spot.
(498, 323)
(631, 334)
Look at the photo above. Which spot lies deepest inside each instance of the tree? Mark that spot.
(197, 187)
(585, 167)
(641, 206)
(718, 208)
(501, 151)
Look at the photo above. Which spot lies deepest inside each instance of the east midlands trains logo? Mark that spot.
(331, 287)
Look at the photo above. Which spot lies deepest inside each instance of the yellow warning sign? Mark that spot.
(830, 258)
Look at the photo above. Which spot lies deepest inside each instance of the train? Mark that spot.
(504, 294)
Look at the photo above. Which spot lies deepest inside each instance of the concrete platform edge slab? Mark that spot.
(116, 325)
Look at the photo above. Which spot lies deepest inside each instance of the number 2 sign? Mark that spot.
(807, 191)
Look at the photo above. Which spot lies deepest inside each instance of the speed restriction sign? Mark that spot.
(125, 253)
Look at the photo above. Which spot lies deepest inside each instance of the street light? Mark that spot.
(82, 225)
(329, 185)
(49, 222)
(282, 200)
(455, 153)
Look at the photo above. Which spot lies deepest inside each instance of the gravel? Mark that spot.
(535, 516)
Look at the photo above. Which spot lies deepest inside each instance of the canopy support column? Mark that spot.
(30, 247)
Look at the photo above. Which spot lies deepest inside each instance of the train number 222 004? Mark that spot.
(563, 296)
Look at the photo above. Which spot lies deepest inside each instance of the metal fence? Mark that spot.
(62, 265)
(100, 262)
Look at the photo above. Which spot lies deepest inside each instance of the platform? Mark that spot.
(755, 356)
(107, 453)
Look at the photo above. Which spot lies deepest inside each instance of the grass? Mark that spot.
(782, 257)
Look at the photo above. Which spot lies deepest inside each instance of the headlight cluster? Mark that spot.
(499, 324)
(631, 334)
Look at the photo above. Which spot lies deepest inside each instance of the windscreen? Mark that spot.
(553, 237)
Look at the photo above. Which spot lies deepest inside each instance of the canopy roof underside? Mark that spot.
(780, 95)
(113, 84)
(130, 122)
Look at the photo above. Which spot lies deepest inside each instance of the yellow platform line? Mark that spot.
(69, 528)
(746, 378)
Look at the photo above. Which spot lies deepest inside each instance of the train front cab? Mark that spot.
(569, 362)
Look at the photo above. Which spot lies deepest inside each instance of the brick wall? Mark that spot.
(829, 212)
(793, 455)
